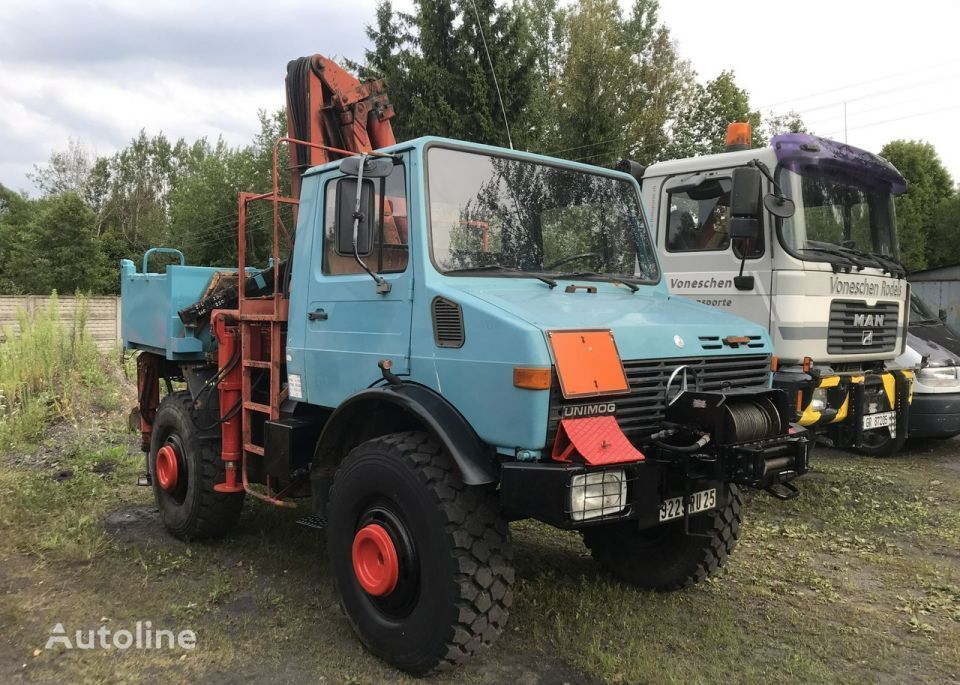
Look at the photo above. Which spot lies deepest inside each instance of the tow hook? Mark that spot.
(783, 491)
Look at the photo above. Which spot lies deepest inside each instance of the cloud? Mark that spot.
(99, 72)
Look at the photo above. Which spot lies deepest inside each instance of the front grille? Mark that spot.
(857, 328)
(640, 413)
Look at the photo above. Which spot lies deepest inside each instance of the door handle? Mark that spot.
(317, 315)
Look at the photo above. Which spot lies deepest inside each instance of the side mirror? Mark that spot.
(373, 167)
(779, 206)
(942, 315)
(346, 201)
(745, 203)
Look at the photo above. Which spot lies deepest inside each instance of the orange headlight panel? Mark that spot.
(588, 363)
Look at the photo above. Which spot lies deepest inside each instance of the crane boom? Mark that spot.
(326, 105)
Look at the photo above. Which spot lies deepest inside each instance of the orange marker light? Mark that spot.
(774, 363)
(807, 364)
(739, 136)
(532, 378)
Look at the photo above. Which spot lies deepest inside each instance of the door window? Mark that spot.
(391, 247)
(698, 220)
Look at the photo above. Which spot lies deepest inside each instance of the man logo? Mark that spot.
(868, 321)
(867, 339)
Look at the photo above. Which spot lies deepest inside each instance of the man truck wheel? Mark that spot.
(667, 557)
(422, 562)
(878, 443)
(184, 467)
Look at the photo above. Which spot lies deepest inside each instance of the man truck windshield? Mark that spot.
(495, 215)
(838, 221)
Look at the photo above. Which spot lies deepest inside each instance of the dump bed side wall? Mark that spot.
(149, 306)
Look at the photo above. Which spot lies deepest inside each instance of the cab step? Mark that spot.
(313, 521)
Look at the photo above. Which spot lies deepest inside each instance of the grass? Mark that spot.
(47, 373)
(858, 580)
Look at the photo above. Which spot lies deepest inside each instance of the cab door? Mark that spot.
(350, 326)
(700, 259)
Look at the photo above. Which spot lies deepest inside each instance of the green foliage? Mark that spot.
(701, 126)
(46, 372)
(944, 233)
(928, 186)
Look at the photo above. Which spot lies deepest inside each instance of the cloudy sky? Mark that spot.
(99, 71)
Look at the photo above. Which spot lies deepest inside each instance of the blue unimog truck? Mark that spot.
(459, 336)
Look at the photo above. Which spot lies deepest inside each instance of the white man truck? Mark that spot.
(800, 237)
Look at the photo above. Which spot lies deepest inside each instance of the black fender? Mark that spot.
(378, 411)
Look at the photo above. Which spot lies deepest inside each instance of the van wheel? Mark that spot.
(422, 562)
(665, 557)
(878, 443)
(184, 466)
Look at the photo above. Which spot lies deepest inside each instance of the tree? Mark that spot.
(945, 233)
(928, 186)
(438, 72)
(701, 128)
(59, 251)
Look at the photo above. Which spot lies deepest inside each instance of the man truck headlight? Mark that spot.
(939, 376)
(593, 495)
(819, 400)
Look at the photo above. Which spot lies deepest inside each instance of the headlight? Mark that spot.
(593, 495)
(938, 376)
(819, 400)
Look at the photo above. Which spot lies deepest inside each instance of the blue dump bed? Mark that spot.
(149, 305)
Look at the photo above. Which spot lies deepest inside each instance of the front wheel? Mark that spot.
(422, 562)
(667, 557)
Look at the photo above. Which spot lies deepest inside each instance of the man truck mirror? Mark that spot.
(346, 202)
(779, 206)
(745, 203)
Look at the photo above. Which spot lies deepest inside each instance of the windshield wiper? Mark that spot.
(881, 261)
(497, 267)
(593, 274)
(849, 260)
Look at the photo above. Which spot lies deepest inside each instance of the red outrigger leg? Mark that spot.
(228, 359)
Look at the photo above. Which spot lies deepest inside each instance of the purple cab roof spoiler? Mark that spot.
(804, 153)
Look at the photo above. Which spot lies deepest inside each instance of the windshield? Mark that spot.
(496, 214)
(920, 312)
(833, 217)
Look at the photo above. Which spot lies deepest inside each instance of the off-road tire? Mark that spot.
(459, 588)
(666, 558)
(194, 510)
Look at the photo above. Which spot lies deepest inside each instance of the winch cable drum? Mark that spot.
(749, 420)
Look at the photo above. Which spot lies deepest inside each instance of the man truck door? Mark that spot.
(699, 256)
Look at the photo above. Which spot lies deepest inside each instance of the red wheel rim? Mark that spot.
(375, 561)
(167, 468)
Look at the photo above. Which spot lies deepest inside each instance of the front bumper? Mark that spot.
(849, 397)
(935, 415)
(541, 490)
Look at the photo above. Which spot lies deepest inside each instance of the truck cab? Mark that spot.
(824, 279)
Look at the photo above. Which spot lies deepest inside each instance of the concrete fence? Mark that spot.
(103, 315)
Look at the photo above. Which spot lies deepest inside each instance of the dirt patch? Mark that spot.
(137, 525)
(529, 669)
(49, 453)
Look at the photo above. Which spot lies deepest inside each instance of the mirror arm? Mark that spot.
(765, 170)
(382, 286)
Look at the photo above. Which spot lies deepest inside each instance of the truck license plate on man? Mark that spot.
(882, 420)
(699, 501)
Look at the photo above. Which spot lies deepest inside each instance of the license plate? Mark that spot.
(884, 419)
(699, 501)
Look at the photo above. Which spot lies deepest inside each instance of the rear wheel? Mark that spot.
(666, 557)
(422, 562)
(184, 466)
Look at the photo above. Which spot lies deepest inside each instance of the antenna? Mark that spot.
(496, 85)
